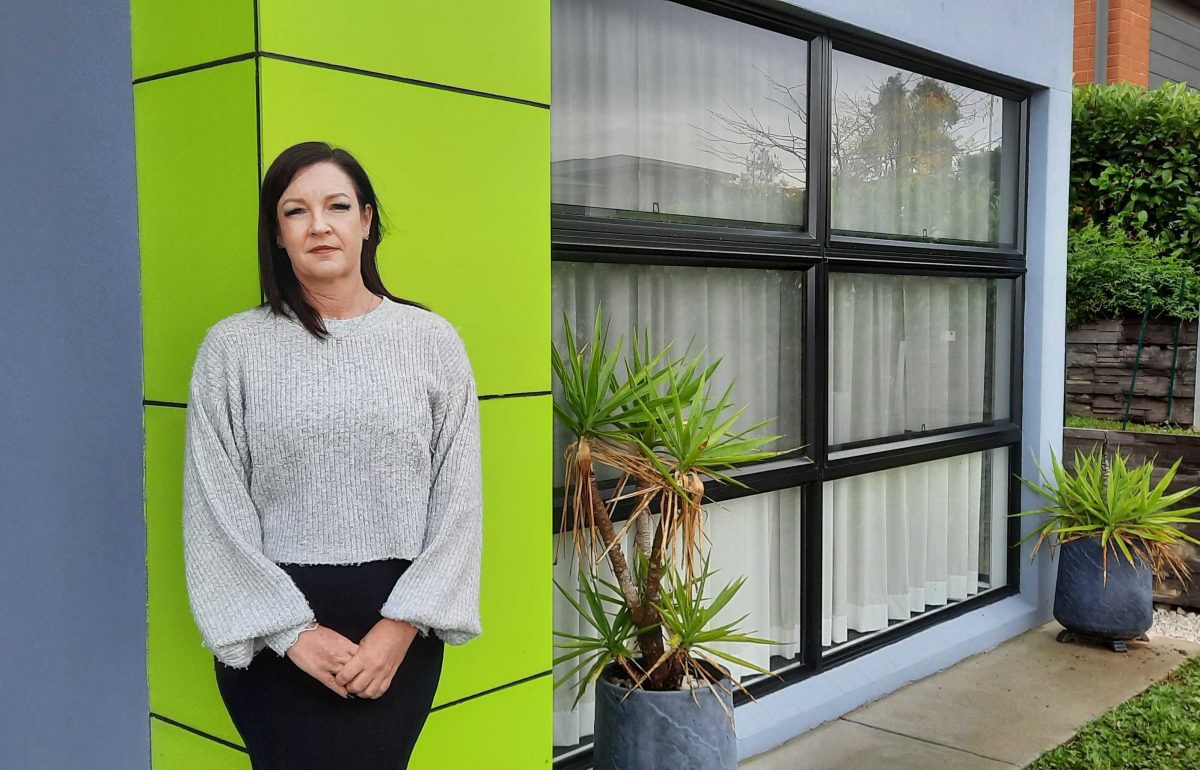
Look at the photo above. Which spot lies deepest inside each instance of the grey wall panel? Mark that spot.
(72, 537)
(1174, 42)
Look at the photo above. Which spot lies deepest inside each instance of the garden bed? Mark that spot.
(1163, 448)
(1100, 360)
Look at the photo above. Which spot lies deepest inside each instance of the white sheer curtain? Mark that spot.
(914, 353)
(757, 537)
(750, 319)
(667, 110)
(902, 541)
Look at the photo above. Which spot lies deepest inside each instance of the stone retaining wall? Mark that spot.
(1139, 447)
(1100, 360)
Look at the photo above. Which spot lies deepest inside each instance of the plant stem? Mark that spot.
(645, 527)
(616, 556)
(667, 676)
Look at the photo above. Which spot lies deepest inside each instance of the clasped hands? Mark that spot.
(362, 670)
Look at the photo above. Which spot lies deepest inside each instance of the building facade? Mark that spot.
(860, 208)
(1144, 42)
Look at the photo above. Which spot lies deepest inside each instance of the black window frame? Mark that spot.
(818, 252)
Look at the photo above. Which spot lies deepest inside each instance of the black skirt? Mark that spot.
(290, 721)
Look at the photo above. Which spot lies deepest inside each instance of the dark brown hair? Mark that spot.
(278, 281)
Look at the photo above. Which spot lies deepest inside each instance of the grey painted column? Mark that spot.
(72, 538)
(1101, 41)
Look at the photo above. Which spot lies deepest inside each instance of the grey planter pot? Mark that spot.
(1085, 605)
(664, 730)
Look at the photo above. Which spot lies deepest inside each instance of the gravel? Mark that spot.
(1176, 623)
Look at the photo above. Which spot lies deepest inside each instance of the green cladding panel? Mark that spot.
(464, 183)
(173, 748)
(505, 730)
(495, 47)
(169, 36)
(509, 729)
(197, 152)
(464, 186)
(515, 602)
(182, 685)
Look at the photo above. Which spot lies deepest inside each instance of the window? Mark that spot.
(906, 540)
(862, 286)
(662, 112)
(915, 157)
(911, 354)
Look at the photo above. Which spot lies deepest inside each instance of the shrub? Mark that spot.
(1110, 274)
(1135, 162)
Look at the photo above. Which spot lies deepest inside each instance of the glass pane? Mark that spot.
(910, 354)
(667, 113)
(751, 319)
(756, 537)
(920, 158)
(906, 541)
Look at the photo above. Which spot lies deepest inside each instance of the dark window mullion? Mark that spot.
(887, 443)
(681, 256)
(1013, 531)
(616, 235)
(1023, 177)
(820, 94)
(883, 246)
(758, 479)
(915, 265)
(1017, 361)
(856, 462)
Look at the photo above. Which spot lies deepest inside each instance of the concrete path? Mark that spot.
(1001, 709)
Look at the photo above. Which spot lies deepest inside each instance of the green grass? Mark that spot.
(1098, 424)
(1156, 730)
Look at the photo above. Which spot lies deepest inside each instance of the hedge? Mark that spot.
(1112, 275)
(1135, 162)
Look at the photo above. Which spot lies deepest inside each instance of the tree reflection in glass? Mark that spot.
(921, 158)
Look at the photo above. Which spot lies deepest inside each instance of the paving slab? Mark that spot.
(842, 745)
(1007, 705)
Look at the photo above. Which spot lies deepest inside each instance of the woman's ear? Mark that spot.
(367, 214)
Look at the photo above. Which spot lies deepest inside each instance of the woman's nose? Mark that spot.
(319, 225)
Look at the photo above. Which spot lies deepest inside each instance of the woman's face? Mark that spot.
(321, 225)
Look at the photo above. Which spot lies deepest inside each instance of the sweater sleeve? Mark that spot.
(440, 589)
(239, 598)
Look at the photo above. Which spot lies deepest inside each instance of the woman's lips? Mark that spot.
(324, 249)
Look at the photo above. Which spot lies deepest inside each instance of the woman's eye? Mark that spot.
(341, 207)
(289, 212)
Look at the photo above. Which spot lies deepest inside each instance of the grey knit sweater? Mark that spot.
(361, 447)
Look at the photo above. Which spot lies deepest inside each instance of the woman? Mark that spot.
(332, 505)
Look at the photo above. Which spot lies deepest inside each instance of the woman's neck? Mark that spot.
(347, 303)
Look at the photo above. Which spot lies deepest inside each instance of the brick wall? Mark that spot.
(1127, 44)
(1129, 41)
(1100, 360)
(1085, 41)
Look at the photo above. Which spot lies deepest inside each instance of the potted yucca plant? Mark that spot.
(1114, 531)
(654, 420)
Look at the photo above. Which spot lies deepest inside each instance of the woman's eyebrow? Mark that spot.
(327, 197)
